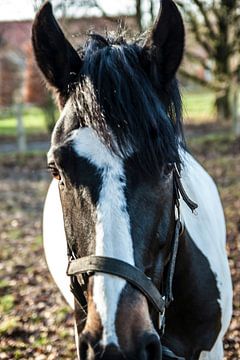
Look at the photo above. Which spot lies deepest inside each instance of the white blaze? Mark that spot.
(113, 238)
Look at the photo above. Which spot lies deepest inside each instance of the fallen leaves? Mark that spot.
(35, 321)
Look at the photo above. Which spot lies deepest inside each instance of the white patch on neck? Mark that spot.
(208, 232)
(113, 237)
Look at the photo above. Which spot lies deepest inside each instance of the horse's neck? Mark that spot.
(192, 270)
(195, 301)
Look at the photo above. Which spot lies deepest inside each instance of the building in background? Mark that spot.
(19, 76)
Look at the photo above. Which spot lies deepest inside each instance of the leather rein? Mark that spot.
(80, 269)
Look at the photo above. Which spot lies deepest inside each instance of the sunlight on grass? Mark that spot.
(42, 340)
(6, 303)
(198, 107)
(61, 314)
(33, 120)
(7, 326)
(3, 284)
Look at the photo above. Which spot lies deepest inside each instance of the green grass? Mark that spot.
(42, 340)
(3, 284)
(6, 303)
(198, 107)
(33, 120)
(8, 325)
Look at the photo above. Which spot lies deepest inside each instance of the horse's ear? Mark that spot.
(55, 56)
(165, 45)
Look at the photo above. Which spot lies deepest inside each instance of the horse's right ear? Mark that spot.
(55, 56)
(163, 50)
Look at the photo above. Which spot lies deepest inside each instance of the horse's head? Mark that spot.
(113, 151)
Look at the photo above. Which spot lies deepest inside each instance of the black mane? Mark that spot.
(116, 97)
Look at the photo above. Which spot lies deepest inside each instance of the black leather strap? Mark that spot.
(180, 190)
(78, 293)
(169, 354)
(132, 274)
(172, 263)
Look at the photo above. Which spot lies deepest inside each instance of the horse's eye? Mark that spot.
(168, 168)
(54, 171)
(56, 175)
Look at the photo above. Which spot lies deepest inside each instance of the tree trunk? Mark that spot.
(139, 14)
(152, 10)
(236, 128)
(236, 112)
(223, 106)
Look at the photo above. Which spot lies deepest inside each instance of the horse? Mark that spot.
(147, 271)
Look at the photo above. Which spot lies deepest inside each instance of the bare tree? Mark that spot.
(215, 25)
(139, 14)
(68, 7)
(64, 7)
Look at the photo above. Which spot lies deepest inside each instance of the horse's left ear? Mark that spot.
(55, 56)
(165, 45)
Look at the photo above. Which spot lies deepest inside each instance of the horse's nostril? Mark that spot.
(112, 352)
(85, 349)
(89, 351)
(151, 349)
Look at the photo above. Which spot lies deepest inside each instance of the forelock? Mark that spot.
(116, 98)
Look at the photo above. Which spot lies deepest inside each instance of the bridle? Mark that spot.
(80, 269)
(87, 266)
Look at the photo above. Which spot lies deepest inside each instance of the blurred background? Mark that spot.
(35, 323)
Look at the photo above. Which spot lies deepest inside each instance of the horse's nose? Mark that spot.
(148, 348)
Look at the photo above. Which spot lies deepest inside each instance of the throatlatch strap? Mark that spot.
(172, 263)
(180, 189)
(107, 265)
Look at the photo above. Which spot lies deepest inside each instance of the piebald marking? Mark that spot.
(54, 241)
(207, 230)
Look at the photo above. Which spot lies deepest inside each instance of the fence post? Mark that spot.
(21, 135)
(236, 112)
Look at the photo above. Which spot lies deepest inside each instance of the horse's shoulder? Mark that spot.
(201, 188)
(207, 228)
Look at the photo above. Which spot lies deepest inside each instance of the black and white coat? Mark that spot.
(121, 122)
(206, 229)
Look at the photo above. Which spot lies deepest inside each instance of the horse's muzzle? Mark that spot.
(148, 348)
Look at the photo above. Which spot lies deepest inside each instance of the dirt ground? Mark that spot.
(35, 321)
